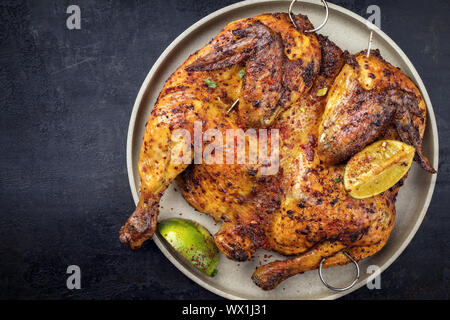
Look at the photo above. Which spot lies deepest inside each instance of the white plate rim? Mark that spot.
(159, 64)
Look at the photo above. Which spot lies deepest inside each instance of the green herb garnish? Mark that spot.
(241, 73)
(322, 92)
(211, 83)
(337, 180)
(302, 109)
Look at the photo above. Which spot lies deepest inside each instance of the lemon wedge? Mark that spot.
(377, 168)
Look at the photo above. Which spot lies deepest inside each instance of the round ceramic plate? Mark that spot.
(350, 32)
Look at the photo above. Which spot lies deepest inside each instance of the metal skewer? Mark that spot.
(233, 105)
(347, 287)
(369, 45)
(324, 22)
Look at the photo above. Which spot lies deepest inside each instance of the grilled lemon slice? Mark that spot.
(377, 167)
(193, 242)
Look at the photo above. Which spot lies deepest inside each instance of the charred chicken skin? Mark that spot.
(186, 98)
(302, 211)
(368, 96)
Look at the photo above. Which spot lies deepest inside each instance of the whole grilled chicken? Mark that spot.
(302, 211)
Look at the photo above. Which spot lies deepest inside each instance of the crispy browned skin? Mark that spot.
(186, 98)
(317, 218)
(275, 75)
(242, 197)
(303, 211)
(235, 45)
(367, 97)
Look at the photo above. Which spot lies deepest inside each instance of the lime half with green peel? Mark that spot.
(193, 242)
(377, 168)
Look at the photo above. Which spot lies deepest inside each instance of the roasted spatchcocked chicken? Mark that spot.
(302, 210)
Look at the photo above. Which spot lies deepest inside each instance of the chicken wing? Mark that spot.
(367, 97)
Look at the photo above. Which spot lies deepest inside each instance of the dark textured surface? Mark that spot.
(66, 98)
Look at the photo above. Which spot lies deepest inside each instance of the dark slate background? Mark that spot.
(66, 98)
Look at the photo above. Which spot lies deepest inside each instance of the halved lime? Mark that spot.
(377, 168)
(193, 242)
